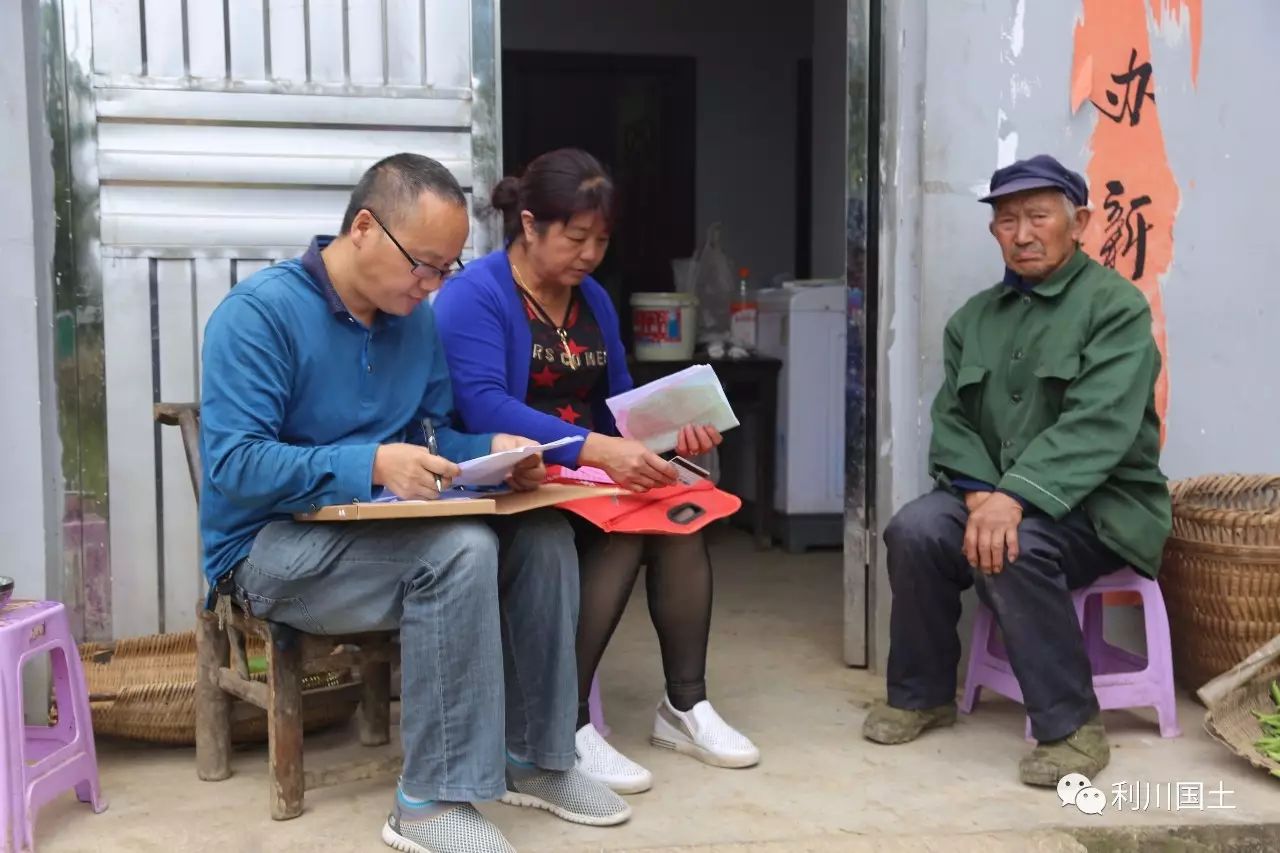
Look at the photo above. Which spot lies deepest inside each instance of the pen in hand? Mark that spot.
(429, 432)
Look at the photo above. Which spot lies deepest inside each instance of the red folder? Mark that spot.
(671, 510)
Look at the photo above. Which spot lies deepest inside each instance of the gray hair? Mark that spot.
(392, 185)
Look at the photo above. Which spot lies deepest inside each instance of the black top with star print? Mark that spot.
(562, 376)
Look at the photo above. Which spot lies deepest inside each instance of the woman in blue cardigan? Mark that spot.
(534, 349)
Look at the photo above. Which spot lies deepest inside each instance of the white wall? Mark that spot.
(954, 88)
(747, 55)
(29, 505)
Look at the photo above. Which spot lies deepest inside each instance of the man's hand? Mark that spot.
(973, 500)
(529, 473)
(696, 440)
(992, 532)
(409, 471)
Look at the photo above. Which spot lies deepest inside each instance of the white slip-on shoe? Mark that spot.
(568, 794)
(599, 760)
(701, 733)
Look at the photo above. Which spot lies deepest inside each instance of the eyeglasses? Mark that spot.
(419, 269)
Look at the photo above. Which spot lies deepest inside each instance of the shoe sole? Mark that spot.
(391, 838)
(529, 801)
(624, 787)
(706, 756)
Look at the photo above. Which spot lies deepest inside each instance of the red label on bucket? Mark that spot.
(656, 325)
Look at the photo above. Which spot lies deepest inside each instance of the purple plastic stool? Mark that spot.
(39, 763)
(597, 707)
(1121, 679)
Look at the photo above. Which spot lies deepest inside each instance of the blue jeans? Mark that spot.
(487, 612)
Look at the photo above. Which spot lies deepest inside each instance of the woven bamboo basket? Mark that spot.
(1221, 572)
(1233, 697)
(144, 688)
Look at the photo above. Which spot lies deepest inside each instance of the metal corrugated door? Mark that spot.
(213, 137)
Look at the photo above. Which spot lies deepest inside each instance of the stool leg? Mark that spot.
(213, 706)
(374, 718)
(284, 725)
(12, 801)
(89, 790)
(1160, 658)
(979, 644)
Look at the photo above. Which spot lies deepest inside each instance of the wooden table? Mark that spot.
(751, 384)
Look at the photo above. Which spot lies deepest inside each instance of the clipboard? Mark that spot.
(548, 494)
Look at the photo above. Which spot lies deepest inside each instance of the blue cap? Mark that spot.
(1035, 173)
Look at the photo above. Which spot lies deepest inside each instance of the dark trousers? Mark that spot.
(1031, 601)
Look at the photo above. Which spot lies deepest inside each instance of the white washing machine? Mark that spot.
(805, 324)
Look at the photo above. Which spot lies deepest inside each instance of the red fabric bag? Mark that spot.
(671, 510)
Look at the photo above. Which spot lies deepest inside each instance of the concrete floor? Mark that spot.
(775, 672)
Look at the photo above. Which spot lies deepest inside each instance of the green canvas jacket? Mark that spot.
(1050, 394)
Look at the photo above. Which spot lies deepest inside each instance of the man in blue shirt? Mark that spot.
(324, 382)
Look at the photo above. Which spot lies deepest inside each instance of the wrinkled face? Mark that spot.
(432, 234)
(1037, 231)
(566, 253)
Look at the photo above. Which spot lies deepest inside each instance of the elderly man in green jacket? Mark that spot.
(1046, 456)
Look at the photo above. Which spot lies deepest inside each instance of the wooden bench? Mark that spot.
(222, 676)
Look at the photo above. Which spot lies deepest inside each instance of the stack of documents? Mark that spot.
(486, 476)
(653, 414)
(492, 470)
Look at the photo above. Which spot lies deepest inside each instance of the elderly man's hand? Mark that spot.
(973, 500)
(992, 532)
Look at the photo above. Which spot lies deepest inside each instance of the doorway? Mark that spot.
(636, 115)
(752, 116)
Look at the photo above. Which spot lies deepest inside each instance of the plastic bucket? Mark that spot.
(665, 325)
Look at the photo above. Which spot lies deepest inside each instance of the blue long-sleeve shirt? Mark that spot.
(296, 397)
(487, 339)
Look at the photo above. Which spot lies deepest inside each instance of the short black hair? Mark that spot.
(393, 184)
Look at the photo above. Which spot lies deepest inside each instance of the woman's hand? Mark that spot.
(629, 463)
(528, 473)
(696, 440)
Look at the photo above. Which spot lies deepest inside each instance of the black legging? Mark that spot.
(678, 582)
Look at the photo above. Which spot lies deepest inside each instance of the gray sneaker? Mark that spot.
(568, 794)
(461, 829)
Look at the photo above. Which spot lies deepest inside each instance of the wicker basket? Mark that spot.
(144, 688)
(1221, 572)
(1232, 699)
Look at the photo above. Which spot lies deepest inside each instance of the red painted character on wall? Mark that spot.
(1132, 185)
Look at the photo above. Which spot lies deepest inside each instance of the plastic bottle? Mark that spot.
(742, 314)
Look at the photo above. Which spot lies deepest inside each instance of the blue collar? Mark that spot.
(314, 265)
(1015, 281)
(1051, 286)
(316, 271)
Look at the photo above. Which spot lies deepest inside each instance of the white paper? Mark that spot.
(654, 414)
(493, 469)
